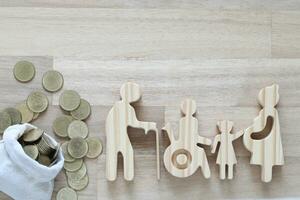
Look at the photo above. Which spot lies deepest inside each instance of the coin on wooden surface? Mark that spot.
(32, 151)
(32, 135)
(69, 100)
(15, 115)
(61, 124)
(52, 81)
(27, 115)
(73, 166)
(77, 175)
(67, 156)
(95, 147)
(5, 121)
(78, 128)
(79, 184)
(37, 102)
(44, 160)
(24, 71)
(78, 147)
(83, 111)
(66, 193)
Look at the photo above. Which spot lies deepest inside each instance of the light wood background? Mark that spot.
(221, 53)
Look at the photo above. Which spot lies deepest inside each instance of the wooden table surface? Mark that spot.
(221, 53)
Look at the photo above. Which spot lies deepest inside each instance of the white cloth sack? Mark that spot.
(21, 177)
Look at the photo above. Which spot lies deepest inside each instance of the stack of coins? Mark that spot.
(38, 147)
(74, 128)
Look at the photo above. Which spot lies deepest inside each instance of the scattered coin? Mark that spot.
(67, 156)
(33, 135)
(79, 184)
(83, 111)
(52, 81)
(24, 71)
(95, 147)
(5, 121)
(78, 128)
(77, 175)
(15, 115)
(73, 166)
(44, 160)
(27, 115)
(32, 151)
(69, 100)
(78, 147)
(37, 102)
(66, 193)
(61, 124)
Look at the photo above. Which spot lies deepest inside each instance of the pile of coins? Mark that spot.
(38, 147)
(73, 127)
(36, 103)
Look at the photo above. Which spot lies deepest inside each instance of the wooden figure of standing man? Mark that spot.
(226, 154)
(183, 157)
(120, 117)
(263, 137)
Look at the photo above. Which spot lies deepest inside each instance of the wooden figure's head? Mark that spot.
(188, 107)
(130, 92)
(269, 96)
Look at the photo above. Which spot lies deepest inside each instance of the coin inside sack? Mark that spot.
(27, 115)
(52, 81)
(67, 156)
(95, 147)
(83, 111)
(61, 124)
(66, 193)
(32, 151)
(73, 166)
(77, 175)
(78, 147)
(5, 121)
(44, 160)
(79, 184)
(24, 71)
(46, 147)
(78, 128)
(37, 102)
(69, 100)
(15, 115)
(33, 135)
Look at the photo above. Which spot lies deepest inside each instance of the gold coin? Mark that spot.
(32, 151)
(77, 175)
(78, 147)
(24, 71)
(67, 156)
(44, 160)
(69, 100)
(15, 115)
(61, 124)
(66, 193)
(27, 115)
(95, 147)
(79, 184)
(73, 166)
(46, 147)
(5, 121)
(52, 81)
(83, 111)
(78, 128)
(33, 135)
(37, 102)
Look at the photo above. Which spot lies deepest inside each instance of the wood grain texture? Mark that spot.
(135, 33)
(161, 4)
